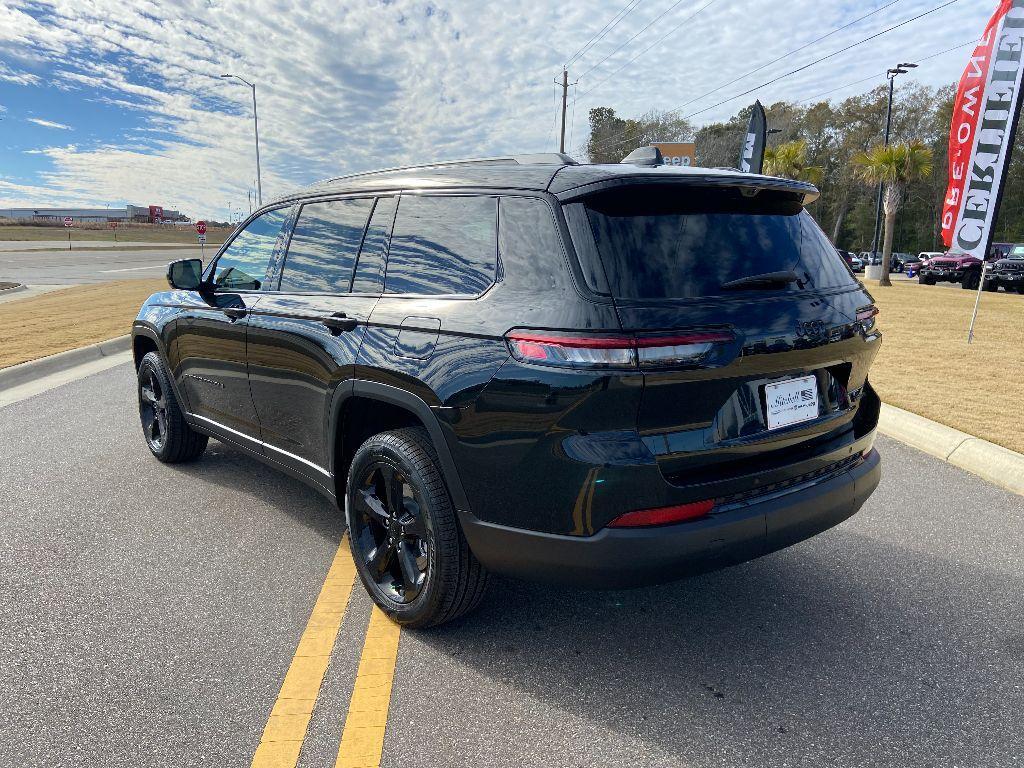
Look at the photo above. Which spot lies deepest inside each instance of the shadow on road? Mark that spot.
(841, 650)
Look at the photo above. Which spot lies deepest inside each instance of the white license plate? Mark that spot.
(791, 401)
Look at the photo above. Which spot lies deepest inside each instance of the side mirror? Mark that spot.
(185, 274)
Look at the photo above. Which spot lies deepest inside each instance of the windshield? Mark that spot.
(1017, 252)
(659, 242)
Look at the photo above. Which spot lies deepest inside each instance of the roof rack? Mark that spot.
(536, 158)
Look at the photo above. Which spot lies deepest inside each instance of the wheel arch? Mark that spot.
(144, 341)
(369, 407)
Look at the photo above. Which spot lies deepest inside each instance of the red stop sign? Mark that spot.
(201, 227)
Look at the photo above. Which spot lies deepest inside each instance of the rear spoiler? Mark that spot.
(807, 192)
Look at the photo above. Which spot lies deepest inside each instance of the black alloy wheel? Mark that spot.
(389, 532)
(167, 433)
(404, 533)
(152, 409)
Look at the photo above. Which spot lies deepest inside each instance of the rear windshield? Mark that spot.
(671, 243)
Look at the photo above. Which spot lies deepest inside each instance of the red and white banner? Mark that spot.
(981, 135)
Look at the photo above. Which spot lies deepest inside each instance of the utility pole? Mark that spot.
(256, 128)
(565, 99)
(899, 69)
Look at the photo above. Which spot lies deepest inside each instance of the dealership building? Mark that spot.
(152, 214)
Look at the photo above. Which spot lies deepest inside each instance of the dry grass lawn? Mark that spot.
(73, 317)
(140, 233)
(926, 366)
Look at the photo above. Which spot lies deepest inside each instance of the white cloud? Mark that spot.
(48, 123)
(345, 86)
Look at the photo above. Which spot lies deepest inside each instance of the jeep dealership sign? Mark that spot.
(985, 115)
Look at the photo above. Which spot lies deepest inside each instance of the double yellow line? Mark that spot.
(363, 738)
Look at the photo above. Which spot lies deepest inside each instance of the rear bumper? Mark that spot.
(618, 558)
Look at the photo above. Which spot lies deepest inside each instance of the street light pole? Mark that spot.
(256, 128)
(899, 69)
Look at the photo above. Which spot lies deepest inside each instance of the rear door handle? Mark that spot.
(234, 313)
(339, 322)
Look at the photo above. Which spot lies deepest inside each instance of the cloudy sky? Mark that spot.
(105, 102)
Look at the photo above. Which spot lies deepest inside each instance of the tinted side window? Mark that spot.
(529, 244)
(443, 245)
(324, 244)
(243, 265)
(369, 275)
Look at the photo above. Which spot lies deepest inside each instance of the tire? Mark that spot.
(406, 541)
(167, 434)
(970, 282)
(925, 280)
(991, 286)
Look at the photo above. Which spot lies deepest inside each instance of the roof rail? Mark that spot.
(537, 158)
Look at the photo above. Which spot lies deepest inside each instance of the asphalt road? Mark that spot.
(83, 266)
(148, 615)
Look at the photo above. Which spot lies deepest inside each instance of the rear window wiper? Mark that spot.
(765, 280)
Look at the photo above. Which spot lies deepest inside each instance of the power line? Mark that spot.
(554, 120)
(572, 120)
(883, 74)
(818, 61)
(794, 71)
(645, 50)
(790, 53)
(634, 37)
(623, 13)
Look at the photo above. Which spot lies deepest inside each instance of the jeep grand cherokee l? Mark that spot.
(604, 375)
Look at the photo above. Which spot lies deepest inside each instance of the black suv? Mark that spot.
(1007, 272)
(604, 375)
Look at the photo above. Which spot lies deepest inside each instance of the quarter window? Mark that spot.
(369, 275)
(324, 244)
(443, 245)
(243, 264)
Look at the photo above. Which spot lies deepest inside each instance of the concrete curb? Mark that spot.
(45, 366)
(989, 461)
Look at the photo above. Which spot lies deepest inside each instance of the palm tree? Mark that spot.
(789, 160)
(894, 167)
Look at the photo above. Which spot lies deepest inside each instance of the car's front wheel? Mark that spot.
(406, 541)
(167, 434)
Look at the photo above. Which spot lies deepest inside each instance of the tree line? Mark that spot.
(819, 142)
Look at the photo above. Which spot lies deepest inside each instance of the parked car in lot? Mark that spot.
(927, 256)
(871, 258)
(898, 261)
(910, 264)
(1007, 273)
(513, 365)
(952, 268)
(854, 262)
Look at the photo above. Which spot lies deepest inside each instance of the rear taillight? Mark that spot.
(866, 316)
(679, 513)
(614, 350)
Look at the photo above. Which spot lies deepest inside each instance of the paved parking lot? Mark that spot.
(149, 614)
(84, 266)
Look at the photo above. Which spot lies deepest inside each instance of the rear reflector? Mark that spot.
(614, 350)
(866, 316)
(679, 513)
